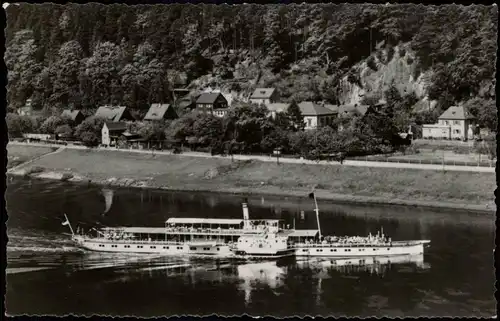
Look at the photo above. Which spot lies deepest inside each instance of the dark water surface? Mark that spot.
(46, 274)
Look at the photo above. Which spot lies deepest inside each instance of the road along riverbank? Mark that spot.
(353, 184)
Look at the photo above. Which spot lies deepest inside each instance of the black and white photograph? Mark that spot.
(283, 160)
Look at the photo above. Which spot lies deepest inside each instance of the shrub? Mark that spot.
(371, 63)
(89, 139)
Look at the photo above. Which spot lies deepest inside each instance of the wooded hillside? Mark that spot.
(87, 55)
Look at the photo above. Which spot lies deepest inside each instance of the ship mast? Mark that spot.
(69, 224)
(317, 213)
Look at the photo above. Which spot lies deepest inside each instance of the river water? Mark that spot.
(46, 274)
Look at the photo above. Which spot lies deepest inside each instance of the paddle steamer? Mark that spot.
(239, 238)
(236, 238)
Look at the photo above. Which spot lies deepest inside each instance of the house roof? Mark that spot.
(72, 114)
(157, 111)
(353, 109)
(116, 126)
(334, 108)
(113, 113)
(309, 108)
(278, 107)
(456, 113)
(262, 93)
(208, 98)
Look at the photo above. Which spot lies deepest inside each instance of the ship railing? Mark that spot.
(214, 231)
(152, 242)
(361, 244)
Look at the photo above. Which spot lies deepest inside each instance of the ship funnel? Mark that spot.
(246, 215)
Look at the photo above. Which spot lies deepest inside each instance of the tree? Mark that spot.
(485, 111)
(64, 131)
(89, 139)
(66, 84)
(50, 124)
(295, 116)
(101, 70)
(181, 128)
(277, 138)
(245, 126)
(18, 125)
(21, 61)
(90, 125)
(129, 63)
(208, 129)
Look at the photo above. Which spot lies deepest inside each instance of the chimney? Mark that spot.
(246, 216)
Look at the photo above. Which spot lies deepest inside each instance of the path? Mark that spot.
(477, 169)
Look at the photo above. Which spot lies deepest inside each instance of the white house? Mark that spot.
(111, 131)
(264, 96)
(316, 115)
(455, 123)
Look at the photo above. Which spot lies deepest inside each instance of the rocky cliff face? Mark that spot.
(375, 74)
(370, 77)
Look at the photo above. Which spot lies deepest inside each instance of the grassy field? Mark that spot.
(220, 174)
(20, 154)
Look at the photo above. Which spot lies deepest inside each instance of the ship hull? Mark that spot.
(344, 251)
(200, 249)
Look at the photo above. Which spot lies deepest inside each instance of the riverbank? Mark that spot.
(401, 186)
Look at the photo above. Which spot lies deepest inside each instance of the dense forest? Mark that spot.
(87, 55)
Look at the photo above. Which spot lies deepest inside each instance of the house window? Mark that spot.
(446, 122)
(456, 122)
(309, 122)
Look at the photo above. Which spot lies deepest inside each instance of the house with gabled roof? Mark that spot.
(75, 115)
(454, 123)
(160, 112)
(264, 96)
(114, 113)
(212, 103)
(111, 132)
(316, 115)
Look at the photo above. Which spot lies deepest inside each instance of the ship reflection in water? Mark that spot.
(272, 275)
